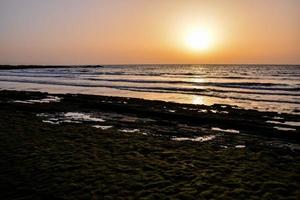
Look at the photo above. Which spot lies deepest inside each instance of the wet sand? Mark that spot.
(70, 146)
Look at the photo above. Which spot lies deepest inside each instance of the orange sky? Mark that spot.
(137, 31)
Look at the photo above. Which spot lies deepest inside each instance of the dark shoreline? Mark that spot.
(8, 67)
(41, 160)
(252, 122)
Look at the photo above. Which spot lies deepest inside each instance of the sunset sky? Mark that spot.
(144, 31)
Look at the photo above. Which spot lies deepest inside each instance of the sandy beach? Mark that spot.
(149, 100)
(95, 147)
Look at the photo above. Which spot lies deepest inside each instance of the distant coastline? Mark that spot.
(4, 67)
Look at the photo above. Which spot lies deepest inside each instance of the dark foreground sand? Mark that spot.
(45, 154)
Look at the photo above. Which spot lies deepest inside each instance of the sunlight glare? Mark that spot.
(198, 100)
(199, 39)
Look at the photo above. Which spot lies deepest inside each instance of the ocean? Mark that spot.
(260, 87)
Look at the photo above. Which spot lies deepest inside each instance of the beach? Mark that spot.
(75, 146)
(149, 100)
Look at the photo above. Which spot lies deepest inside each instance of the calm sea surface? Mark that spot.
(261, 87)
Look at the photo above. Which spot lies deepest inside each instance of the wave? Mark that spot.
(176, 76)
(288, 86)
(135, 72)
(246, 85)
(191, 91)
(237, 85)
(215, 95)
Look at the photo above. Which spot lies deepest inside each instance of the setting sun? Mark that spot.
(199, 40)
(139, 99)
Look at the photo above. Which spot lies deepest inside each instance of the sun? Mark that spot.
(199, 39)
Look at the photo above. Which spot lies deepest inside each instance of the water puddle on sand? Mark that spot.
(224, 112)
(213, 111)
(48, 99)
(225, 130)
(195, 139)
(81, 117)
(236, 141)
(274, 122)
(50, 122)
(69, 117)
(129, 130)
(292, 125)
(102, 127)
(284, 128)
(240, 146)
(278, 117)
(289, 123)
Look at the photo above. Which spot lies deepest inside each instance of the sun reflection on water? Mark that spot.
(198, 80)
(198, 100)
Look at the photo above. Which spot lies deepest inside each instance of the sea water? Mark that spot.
(261, 87)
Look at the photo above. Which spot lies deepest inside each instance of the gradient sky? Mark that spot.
(144, 31)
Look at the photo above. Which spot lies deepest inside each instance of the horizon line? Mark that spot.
(1, 65)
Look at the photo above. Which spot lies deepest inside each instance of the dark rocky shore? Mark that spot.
(95, 147)
(5, 67)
